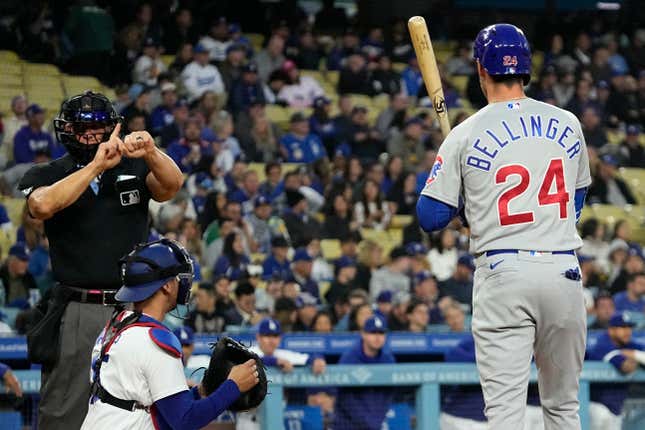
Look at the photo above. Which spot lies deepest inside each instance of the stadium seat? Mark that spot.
(399, 67)
(360, 99)
(380, 102)
(278, 115)
(460, 83)
(10, 68)
(442, 55)
(257, 40)
(259, 169)
(615, 137)
(332, 77)
(317, 75)
(330, 249)
(258, 257)
(9, 57)
(167, 59)
(40, 69)
(78, 84)
(400, 221)
(635, 179)
(323, 287)
(9, 93)
(11, 80)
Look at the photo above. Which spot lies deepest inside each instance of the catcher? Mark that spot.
(137, 373)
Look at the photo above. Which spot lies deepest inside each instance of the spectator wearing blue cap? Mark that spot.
(200, 76)
(633, 298)
(425, 289)
(186, 338)
(616, 347)
(277, 263)
(175, 130)
(191, 152)
(149, 65)
(383, 307)
(247, 192)
(632, 153)
(301, 268)
(205, 317)
(16, 279)
(321, 123)
(607, 187)
(344, 277)
(392, 276)
(162, 116)
(307, 307)
(418, 257)
(365, 408)
(32, 144)
(179, 30)
(300, 145)
(246, 90)
(460, 285)
(233, 65)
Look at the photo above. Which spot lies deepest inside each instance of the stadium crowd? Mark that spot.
(310, 218)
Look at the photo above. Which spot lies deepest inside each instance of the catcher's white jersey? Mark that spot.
(137, 369)
(517, 165)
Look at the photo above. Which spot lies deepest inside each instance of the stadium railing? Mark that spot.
(426, 377)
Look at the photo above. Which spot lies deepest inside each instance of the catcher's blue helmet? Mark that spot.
(150, 266)
(502, 49)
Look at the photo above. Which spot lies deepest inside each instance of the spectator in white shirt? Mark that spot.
(200, 76)
(301, 90)
(148, 66)
(217, 40)
(12, 124)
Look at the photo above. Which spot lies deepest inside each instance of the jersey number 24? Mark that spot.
(554, 173)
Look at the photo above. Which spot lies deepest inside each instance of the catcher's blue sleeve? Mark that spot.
(182, 411)
(434, 214)
(579, 201)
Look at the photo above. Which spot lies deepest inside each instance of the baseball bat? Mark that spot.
(428, 66)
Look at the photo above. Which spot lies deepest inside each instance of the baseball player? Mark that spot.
(137, 372)
(518, 169)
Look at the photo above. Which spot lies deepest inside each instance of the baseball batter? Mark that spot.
(519, 170)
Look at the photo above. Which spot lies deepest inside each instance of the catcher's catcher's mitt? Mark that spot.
(227, 353)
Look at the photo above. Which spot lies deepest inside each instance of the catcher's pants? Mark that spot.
(65, 389)
(523, 304)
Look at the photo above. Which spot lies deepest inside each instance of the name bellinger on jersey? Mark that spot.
(535, 155)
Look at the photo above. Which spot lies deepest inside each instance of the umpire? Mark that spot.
(94, 202)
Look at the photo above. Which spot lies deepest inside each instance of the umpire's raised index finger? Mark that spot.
(116, 131)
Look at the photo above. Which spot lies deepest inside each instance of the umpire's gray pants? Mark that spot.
(65, 389)
(521, 306)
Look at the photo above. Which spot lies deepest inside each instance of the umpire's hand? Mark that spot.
(108, 153)
(138, 144)
(244, 375)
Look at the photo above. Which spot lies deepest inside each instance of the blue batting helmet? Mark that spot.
(150, 266)
(502, 49)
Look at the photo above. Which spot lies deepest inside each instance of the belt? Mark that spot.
(83, 295)
(128, 405)
(516, 251)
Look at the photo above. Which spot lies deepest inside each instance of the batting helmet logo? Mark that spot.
(510, 60)
(436, 168)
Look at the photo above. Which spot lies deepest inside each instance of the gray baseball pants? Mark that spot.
(524, 306)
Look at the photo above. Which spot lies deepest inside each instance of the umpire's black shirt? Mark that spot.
(87, 238)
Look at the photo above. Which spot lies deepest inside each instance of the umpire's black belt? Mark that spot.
(516, 251)
(86, 295)
(128, 405)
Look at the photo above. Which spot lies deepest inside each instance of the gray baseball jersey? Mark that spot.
(517, 165)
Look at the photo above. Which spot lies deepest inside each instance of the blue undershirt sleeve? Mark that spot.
(182, 411)
(579, 201)
(434, 214)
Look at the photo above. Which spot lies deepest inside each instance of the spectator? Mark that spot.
(148, 66)
(592, 128)
(183, 58)
(322, 323)
(582, 49)
(411, 77)
(260, 223)
(565, 88)
(270, 58)
(604, 308)
(365, 408)
(338, 223)
(273, 185)
(403, 195)
(217, 40)
(191, 152)
(299, 145)
(237, 38)
(622, 105)
(461, 63)
(10, 381)
(231, 68)
(175, 130)
(31, 143)
(365, 141)
(632, 153)
(617, 255)
(300, 91)
(633, 298)
(360, 311)
(179, 31)
(265, 298)
(262, 140)
(398, 320)
(199, 76)
(307, 54)
(393, 172)
(582, 98)
(300, 225)
(205, 318)
(454, 316)
(383, 79)
(277, 264)
(392, 276)
(223, 301)
(321, 123)
(222, 124)
(244, 313)
(392, 118)
(330, 19)
(136, 122)
(307, 308)
(418, 261)
(246, 90)
(349, 245)
(140, 96)
(162, 116)
(460, 285)
(616, 347)
(247, 193)
(285, 311)
(607, 187)
(372, 45)
(600, 68)
(593, 243)
(354, 77)
(301, 269)
(425, 289)
(370, 258)
(418, 316)
(372, 211)
(233, 262)
(350, 45)
(11, 125)
(186, 338)
(17, 281)
(443, 255)
(344, 277)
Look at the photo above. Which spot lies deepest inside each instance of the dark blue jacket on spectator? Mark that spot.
(180, 149)
(305, 150)
(223, 266)
(611, 395)
(27, 143)
(242, 94)
(363, 408)
(463, 401)
(272, 266)
(412, 81)
(247, 202)
(160, 117)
